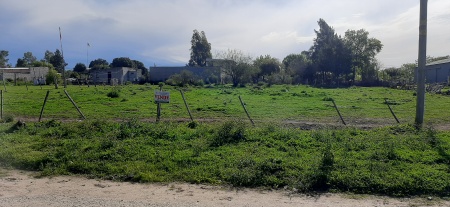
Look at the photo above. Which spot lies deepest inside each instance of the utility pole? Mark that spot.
(420, 105)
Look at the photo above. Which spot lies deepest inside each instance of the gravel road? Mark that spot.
(20, 188)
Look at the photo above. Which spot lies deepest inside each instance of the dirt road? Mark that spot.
(19, 188)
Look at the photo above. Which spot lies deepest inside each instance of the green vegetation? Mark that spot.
(221, 147)
(278, 103)
(398, 160)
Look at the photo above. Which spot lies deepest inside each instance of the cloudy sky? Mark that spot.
(158, 32)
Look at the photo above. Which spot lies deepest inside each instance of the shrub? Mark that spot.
(228, 133)
(114, 93)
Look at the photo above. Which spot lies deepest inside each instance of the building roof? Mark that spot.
(443, 61)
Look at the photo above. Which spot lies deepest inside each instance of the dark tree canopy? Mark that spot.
(4, 58)
(80, 68)
(122, 62)
(21, 63)
(27, 60)
(200, 49)
(298, 66)
(98, 64)
(329, 55)
(57, 61)
(48, 56)
(140, 65)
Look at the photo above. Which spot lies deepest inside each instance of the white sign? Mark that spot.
(162, 97)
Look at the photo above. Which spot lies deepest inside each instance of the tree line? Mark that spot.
(332, 60)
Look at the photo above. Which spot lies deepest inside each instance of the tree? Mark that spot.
(98, 64)
(57, 61)
(267, 65)
(20, 63)
(328, 54)
(42, 63)
(144, 70)
(4, 58)
(236, 65)
(299, 67)
(363, 51)
(27, 60)
(80, 68)
(52, 77)
(200, 49)
(122, 62)
(48, 56)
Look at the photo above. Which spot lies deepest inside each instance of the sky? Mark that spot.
(158, 32)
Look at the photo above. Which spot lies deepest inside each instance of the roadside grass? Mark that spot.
(265, 104)
(396, 161)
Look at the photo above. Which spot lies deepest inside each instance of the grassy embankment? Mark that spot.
(397, 160)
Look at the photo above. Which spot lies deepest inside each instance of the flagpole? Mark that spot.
(64, 62)
(87, 55)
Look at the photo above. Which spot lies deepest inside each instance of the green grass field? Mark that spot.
(268, 104)
(117, 141)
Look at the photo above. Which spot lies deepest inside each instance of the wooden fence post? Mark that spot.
(74, 104)
(339, 113)
(4, 83)
(158, 107)
(43, 106)
(1, 104)
(185, 103)
(245, 109)
(392, 112)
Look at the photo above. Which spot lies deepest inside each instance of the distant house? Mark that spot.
(35, 74)
(112, 76)
(438, 71)
(208, 74)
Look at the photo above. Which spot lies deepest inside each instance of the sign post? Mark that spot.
(161, 97)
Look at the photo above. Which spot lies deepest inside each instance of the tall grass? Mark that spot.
(399, 161)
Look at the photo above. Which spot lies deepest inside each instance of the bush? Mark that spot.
(114, 93)
(228, 133)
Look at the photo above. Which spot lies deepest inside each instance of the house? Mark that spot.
(208, 74)
(113, 76)
(438, 71)
(35, 74)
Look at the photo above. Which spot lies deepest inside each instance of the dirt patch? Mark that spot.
(21, 188)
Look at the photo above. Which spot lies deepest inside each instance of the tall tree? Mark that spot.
(98, 64)
(48, 56)
(200, 49)
(27, 60)
(236, 65)
(363, 51)
(122, 62)
(57, 61)
(329, 54)
(4, 58)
